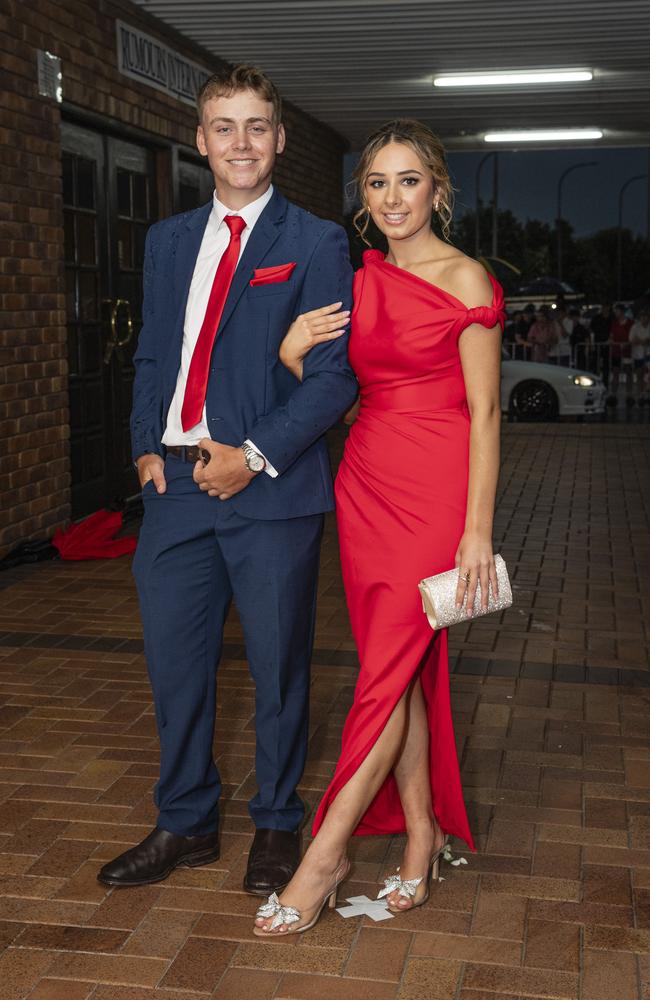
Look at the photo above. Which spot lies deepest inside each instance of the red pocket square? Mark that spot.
(270, 275)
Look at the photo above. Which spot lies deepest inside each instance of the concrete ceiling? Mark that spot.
(356, 63)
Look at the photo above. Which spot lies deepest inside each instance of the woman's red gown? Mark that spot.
(401, 495)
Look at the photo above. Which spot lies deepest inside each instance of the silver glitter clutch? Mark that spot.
(439, 597)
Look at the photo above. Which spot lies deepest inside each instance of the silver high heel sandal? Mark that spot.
(408, 888)
(290, 916)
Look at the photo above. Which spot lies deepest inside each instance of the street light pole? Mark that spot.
(477, 222)
(495, 207)
(647, 233)
(619, 232)
(569, 170)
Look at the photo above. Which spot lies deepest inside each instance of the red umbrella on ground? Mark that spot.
(94, 538)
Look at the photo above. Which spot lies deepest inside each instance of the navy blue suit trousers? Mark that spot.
(194, 556)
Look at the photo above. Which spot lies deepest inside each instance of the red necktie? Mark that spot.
(197, 377)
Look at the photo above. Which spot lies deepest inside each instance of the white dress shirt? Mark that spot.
(213, 245)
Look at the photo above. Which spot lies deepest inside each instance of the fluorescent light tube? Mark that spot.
(514, 78)
(545, 135)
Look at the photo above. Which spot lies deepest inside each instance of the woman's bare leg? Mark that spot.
(329, 847)
(411, 771)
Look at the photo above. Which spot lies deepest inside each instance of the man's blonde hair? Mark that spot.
(232, 81)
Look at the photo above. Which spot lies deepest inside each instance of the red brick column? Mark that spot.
(34, 463)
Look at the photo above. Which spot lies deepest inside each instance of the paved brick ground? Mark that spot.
(551, 708)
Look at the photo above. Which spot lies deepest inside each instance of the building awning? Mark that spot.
(356, 63)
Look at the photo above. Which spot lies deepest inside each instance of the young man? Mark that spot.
(640, 354)
(601, 325)
(231, 456)
(580, 342)
(619, 336)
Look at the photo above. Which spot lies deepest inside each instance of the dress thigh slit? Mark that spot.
(395, 643)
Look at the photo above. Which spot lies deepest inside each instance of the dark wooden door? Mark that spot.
(131, 197)
(108, 204)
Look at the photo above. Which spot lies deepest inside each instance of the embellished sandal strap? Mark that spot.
(406, 887)
(281, 914)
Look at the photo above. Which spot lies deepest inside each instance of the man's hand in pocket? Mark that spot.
(152, 468)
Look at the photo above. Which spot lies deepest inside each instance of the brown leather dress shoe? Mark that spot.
(272, 861)
(157, 856)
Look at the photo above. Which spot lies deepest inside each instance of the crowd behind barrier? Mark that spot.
(610, 343)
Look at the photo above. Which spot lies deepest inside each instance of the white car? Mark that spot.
(534, 391)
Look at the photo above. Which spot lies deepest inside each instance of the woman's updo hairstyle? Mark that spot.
(428, 148)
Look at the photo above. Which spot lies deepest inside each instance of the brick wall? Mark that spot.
(34, 461)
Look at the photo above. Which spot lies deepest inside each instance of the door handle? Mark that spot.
(114, 339)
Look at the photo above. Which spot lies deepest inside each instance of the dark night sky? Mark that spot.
(528, 185)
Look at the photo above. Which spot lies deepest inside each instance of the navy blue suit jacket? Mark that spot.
(250, 392)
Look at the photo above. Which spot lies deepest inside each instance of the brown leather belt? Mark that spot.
(189, 453)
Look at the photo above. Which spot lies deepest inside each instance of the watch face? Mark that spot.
(255, 462)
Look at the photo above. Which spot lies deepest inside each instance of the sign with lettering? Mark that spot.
(145, 58)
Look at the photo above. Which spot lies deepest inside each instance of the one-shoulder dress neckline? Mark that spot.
(378, 257)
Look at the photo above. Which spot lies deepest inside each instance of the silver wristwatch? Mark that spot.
(253, 459)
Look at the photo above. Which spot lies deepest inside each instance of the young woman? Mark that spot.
(415, 494)
(640, 353)
(543, 335)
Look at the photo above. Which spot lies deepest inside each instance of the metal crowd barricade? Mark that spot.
(601, 354)
(616, 370)
(591, 356)
(516, 352)
(585, 357)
